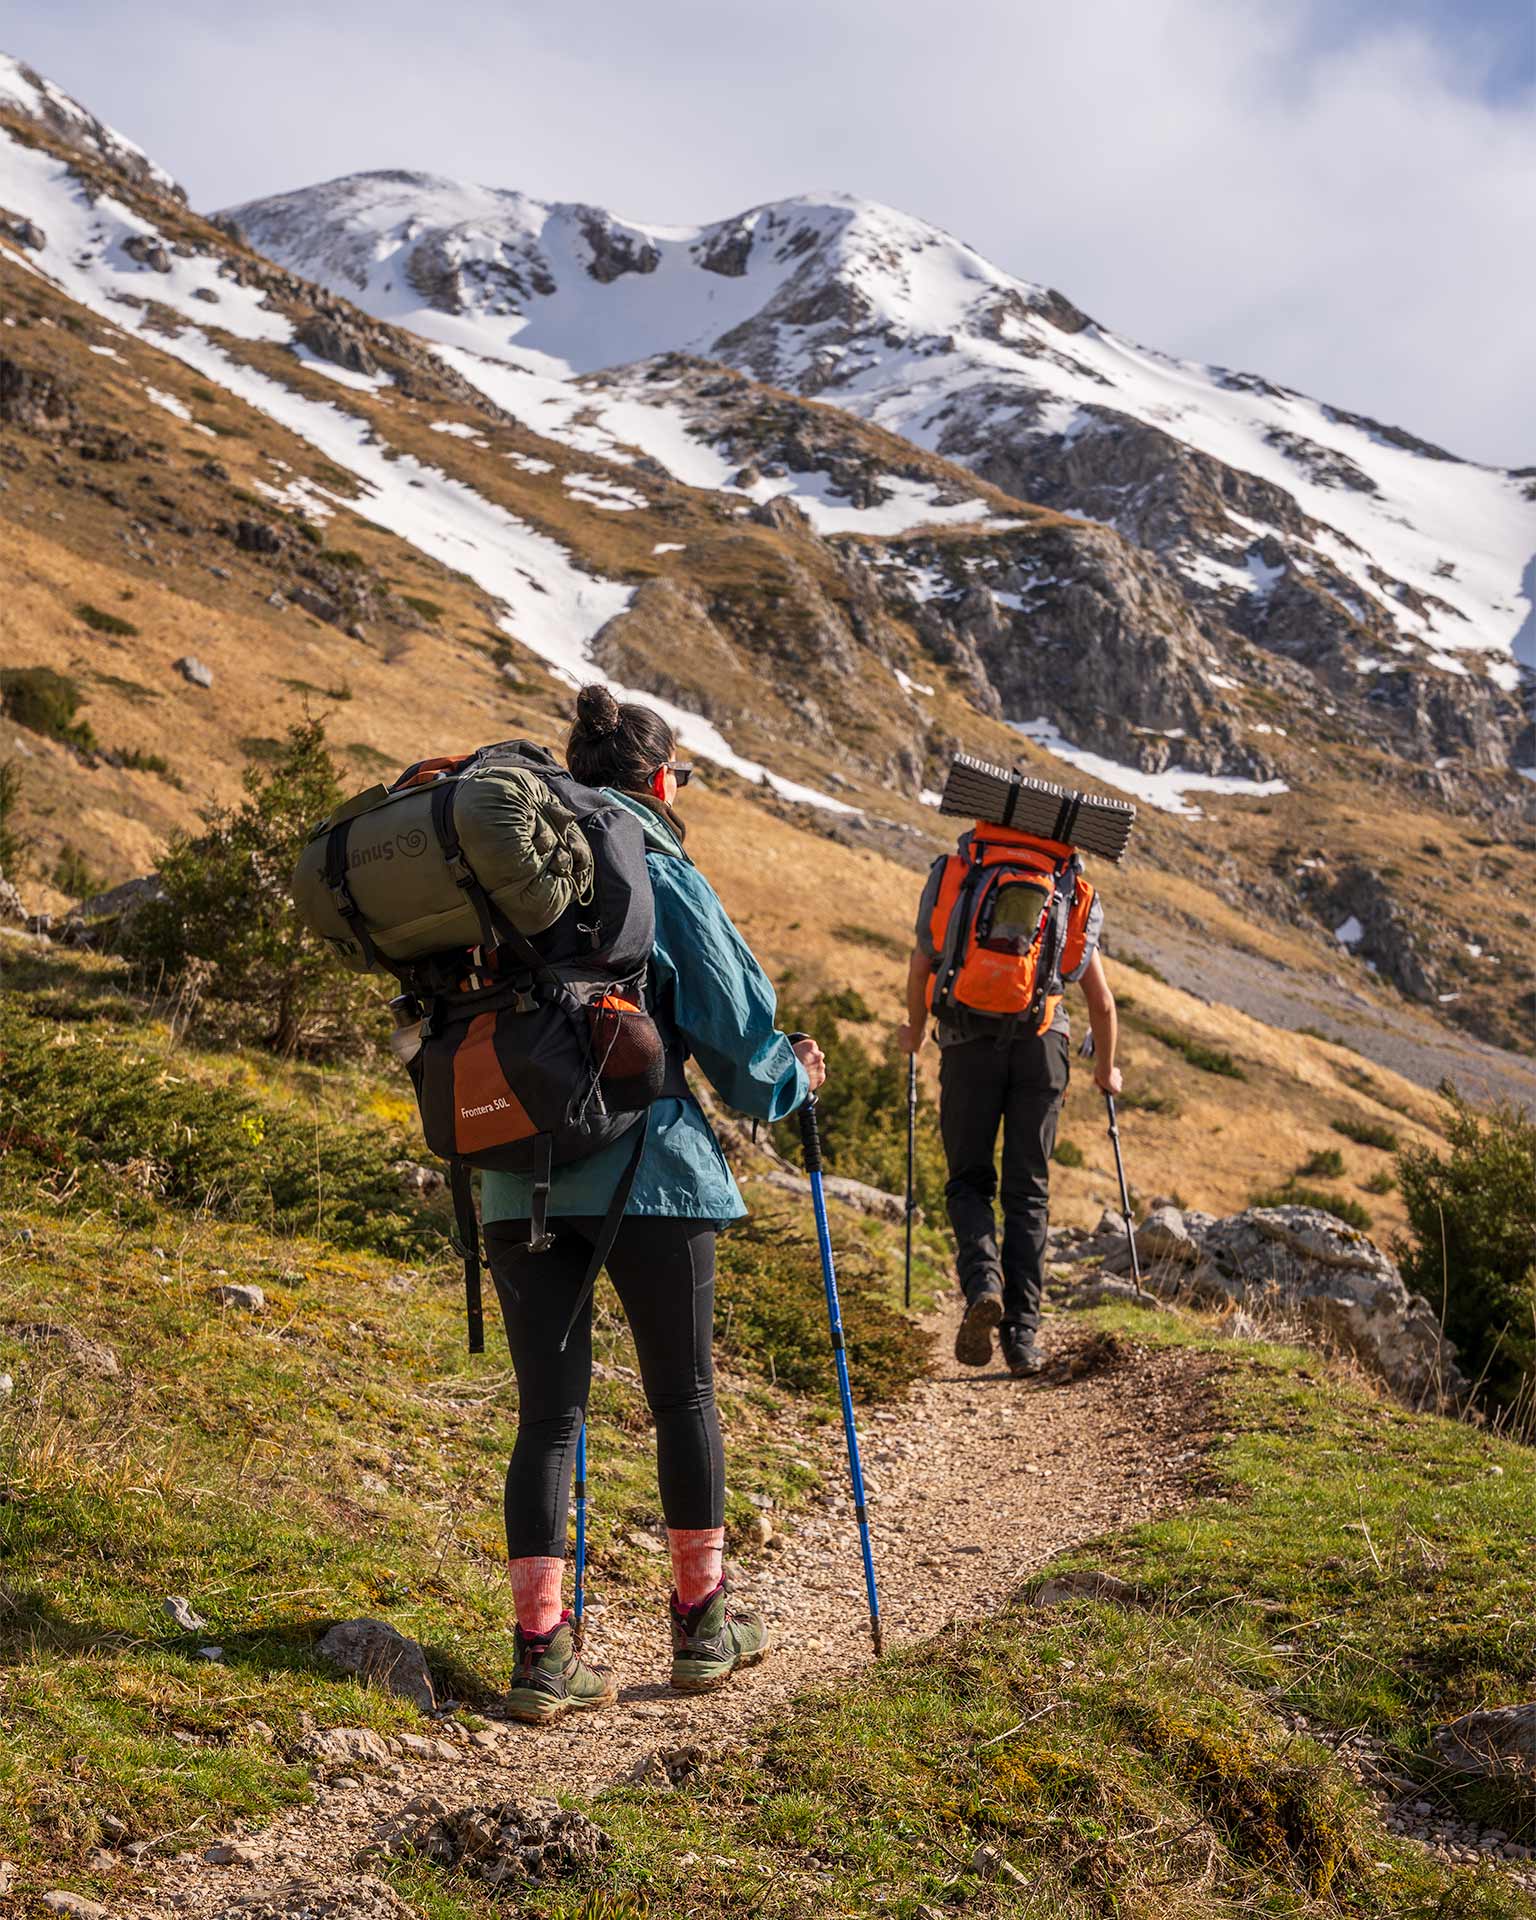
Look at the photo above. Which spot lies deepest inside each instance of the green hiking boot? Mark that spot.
(551, 1678)
(711, 1640)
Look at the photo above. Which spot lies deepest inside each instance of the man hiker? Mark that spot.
(1005, 923)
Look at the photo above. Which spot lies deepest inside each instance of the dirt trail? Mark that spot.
(973, 1482)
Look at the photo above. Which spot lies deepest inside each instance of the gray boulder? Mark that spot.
(13, 912)
(375, 1652)
(1310, 1264)
(249, 1299)
(345, 1747)
(1496, 1744)
(193, 671)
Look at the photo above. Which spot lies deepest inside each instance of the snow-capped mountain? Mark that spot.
(1322, 536)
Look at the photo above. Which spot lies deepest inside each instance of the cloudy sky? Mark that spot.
(1340, 194)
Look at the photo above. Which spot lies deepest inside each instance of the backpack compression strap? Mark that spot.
(346, 906)
(612, 1220)
(495, 928)
(461, 1185)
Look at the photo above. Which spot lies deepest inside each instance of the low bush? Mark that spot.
(14, 846)
(1293, 1194)
(1368, 1133)
(770, 1314)
(99, 621)
(1326, 1164)
(873, 938)
(1135, 962)
(1132, 1101)
(96, 1114)
(45, 702)
(1198, 1053)
(1471, 1242)
(863, 1109)
(228, 933)
(428, 609)
(1068, 1154)
(72, 875)
(1380, 1182)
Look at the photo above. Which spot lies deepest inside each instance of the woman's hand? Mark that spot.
(812, 1059)
(1106, 1077)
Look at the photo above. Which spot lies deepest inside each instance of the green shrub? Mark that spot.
(770, 1314)
(428, 609)
(98, 1107)
(1368, 1133)
(1067, 1153)
(72, 875)
(101, 622)
(1380, 1182)
(228, 928)
(1326, 1164)
(13, 844)
(1207, 1058)
(1471, 1240)
(872, 937)
(1292, 1194)
(346, 557)
(863, 1109)
(1135, 962)
(845, 1003)
(45, 702)
(1132, 1101)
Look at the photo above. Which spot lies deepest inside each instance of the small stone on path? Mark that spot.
(180, 1610)
(249, 1299)
(374, 1651)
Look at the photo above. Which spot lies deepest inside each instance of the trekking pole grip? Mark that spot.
(810, 1128)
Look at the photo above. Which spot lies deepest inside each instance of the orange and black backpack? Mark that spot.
(1013, 921)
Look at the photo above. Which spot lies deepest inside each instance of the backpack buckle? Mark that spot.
(341, 896)
(463, 873)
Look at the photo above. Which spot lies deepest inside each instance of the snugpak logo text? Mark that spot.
(411, 842)
(498, 1105)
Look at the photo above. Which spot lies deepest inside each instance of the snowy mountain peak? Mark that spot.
(26, 92)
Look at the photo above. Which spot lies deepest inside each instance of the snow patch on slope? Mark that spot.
(1165, 790)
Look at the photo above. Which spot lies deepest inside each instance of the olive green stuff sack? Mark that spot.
(523, 843)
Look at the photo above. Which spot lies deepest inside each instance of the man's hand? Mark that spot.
(1106, 1078)
(910, 1039)
(813, 1060)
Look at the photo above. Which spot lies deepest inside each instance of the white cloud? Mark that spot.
(1340, 208)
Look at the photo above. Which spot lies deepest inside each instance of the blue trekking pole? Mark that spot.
(579, 1598)
(810, 1139)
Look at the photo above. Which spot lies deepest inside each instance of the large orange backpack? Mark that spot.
(1014, 920)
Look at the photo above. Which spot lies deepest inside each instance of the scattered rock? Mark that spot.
(417, 1179)
(75, 1905)
(1498, 1743)
(1163, 1235)
(250, 1299)
(180, 1610)
(7, 1386)
(377, 1653)
(7, 1876)
(87, 1355)
(504, 1844)
(1088, 1585)
(646, 1542)
(214, 1654)
(359, 1897)
(147, 250)
(667, 1767)
(232, 1853)
(988, 1864)
(193, 671)
(345, 1746)
(256, 536)
(343, 346)
(13, 912)
(870, 1201)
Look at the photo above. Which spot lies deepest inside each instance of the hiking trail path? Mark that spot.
(974, 1481)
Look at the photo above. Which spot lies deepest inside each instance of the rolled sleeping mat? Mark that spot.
(522, 843)
(976, 790)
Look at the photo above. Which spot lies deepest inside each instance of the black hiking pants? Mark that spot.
(1018, 1087)
(663, 1270)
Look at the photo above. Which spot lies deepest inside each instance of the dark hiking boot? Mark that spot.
(552, 1679)
(1024, 1358)
(983, 1313)
(711, 1639)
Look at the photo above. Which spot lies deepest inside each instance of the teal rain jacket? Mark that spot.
(722, 1004)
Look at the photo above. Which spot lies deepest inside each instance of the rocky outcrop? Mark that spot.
(502, 1845)
(1498, 1743)
(341, 345)
(1388, 936)
(33, 399)
(1305, 1265)
(377, 1653)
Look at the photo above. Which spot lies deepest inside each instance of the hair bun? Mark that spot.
(597, 712)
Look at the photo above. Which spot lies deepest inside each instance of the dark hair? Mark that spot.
(616, 746)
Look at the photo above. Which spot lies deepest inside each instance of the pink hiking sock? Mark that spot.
(697, 1554)
(536, 1592)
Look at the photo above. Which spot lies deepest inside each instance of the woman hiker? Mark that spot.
(711, 998)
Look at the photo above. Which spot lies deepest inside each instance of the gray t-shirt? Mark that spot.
(944, 1031)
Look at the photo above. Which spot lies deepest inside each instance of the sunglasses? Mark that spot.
(680, 770)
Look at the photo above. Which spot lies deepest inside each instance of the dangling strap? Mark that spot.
(346, 906)
(612, 1220)
(540, 1239)
(461, 1185)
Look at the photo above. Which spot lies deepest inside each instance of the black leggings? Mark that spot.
(664, 1272)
